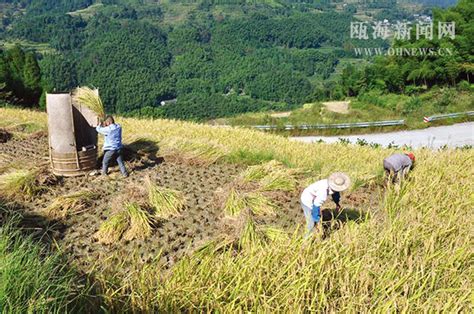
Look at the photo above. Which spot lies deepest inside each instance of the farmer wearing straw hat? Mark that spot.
(397, 166)
(112, 144)
(314, 196)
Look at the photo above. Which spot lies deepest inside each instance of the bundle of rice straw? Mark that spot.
(90, 98)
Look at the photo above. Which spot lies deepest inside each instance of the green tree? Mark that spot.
(31, 78)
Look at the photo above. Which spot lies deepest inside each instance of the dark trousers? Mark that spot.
(108, 156)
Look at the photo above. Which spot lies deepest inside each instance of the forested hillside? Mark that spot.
(411, 74)
(214, 58)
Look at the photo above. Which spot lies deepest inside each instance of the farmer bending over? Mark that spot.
(397, 166)
(316, 194)
(112, 144)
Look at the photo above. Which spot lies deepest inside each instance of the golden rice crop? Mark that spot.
(90, 98)
(414, 255)
(112, 229)
(70, 203)
(165, 202)
(275, 234)
(193, 151)
(140, 223)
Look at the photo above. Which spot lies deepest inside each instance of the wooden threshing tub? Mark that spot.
(72, 136)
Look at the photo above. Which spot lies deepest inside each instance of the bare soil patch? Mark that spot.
(337, 106)
(281, 114)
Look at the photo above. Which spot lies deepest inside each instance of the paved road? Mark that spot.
(452, 135)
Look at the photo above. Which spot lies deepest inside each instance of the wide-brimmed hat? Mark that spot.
(339, 181)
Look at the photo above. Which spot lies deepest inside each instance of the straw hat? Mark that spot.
(339, 181)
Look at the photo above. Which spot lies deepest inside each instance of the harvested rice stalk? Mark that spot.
(275, 234)
(89, 98)
(67, 204)
(259, 204)
(250, 236)
(255, 173)
(271, 176)
(234, 203)
(140, 223)
(112, 229)
(166, 202)
(8, 166)
(278, 180)
(214, 246)
(19, 183)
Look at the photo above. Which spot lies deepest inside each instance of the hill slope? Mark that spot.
(410, 249)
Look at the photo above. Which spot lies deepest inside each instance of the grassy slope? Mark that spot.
(414, 254)
(32, 281)
(374, 107)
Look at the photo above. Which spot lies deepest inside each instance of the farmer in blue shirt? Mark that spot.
(112, 144)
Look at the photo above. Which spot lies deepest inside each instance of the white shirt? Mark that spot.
(315, 194)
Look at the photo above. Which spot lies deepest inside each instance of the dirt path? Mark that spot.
(337, 106)
(281, 114)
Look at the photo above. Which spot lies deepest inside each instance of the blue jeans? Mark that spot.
(312, 215)
(117, 154)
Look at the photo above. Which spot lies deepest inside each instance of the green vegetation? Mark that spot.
(20, 78)
(211, 60)
(34, 279)
(373, 105)
(412, 74)
(259, 204)
(216, 60)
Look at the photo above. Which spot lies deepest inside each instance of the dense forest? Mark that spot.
(209, 59)
(411, 74)
(20, 77)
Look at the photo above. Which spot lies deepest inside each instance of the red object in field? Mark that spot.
(411, 156)
(426, 119)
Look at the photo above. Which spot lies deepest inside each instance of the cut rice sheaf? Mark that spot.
(90, 98)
